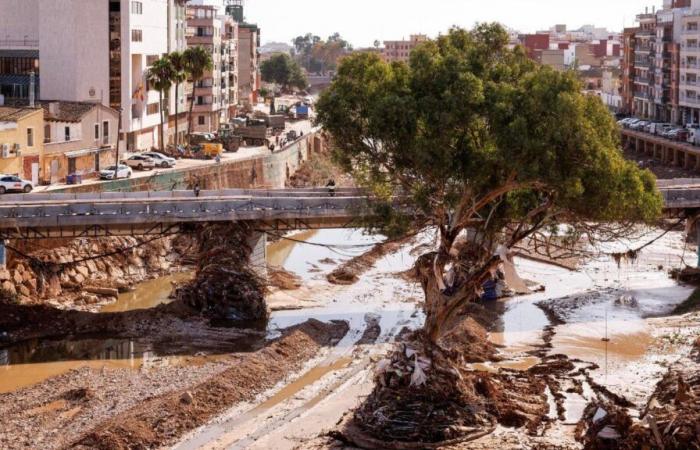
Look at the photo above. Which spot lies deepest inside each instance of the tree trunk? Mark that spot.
(189, 115)
(443, 303)
(162, 125)
(177, 89)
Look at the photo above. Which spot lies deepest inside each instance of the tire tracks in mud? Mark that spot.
(354, 368)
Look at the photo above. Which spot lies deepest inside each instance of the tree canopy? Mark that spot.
(476, 136)
(319, 55)
(283, 70)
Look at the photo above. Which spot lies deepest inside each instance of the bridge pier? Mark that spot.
(258, 255)
(3, 255)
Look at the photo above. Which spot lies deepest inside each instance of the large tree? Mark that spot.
(160, 77)
(283, 70)
(198, 62)
(488, 147)
(179, 65)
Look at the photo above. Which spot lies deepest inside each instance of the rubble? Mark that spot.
(224, 284)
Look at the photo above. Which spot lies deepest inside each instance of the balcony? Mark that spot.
(689, 100)
(641, 95)
(19, 43)
(691, 31)
(690, 65)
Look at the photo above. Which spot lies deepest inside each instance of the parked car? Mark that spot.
(694, 136)
(631, 123)
(678, 134)
(123, 172)
(639, 126)
(661, 128)
(10, 183)
(140, 162)
(160, 159)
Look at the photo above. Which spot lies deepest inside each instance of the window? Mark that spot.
(66, 132)
(200, 100)
(47, 134)
(30, 137)
(97, 131)
(136, 36)
(152, 109)
(136, 8)
(200, 120)
(105, 132)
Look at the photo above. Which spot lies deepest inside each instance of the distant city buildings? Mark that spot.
(401, 50)
(660, 72)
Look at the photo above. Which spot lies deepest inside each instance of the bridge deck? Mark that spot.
(75, 215)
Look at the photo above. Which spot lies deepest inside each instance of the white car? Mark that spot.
(160, 159)
(123, 172)
(140, 162)
(10, 183)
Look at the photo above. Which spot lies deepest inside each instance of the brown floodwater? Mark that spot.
(148, 294)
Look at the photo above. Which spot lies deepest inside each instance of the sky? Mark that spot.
(363, 21)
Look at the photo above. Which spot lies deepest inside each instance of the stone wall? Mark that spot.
(270, 170)
(67, 277)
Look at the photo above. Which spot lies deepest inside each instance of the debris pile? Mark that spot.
(425, 394)
(225, 285)
(671, 419)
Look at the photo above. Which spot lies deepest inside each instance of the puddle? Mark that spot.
(314, 261)
(148, 294)
(520, 364)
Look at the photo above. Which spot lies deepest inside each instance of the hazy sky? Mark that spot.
(363, 21)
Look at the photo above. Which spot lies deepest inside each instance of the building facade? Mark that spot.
(248, 63)
(79, 138)
(125, 38)
(401, 50)
(21, 141)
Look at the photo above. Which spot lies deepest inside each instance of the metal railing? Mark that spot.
(19, 43)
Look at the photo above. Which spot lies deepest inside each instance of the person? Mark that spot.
(331, 187)
(197, 189)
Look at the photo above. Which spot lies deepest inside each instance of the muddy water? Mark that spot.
(34, 361)
(148, 294)
(311, 261)
(604, 308)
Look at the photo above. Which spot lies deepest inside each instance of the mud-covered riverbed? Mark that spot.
(600, 317)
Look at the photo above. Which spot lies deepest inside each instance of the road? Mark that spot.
(242, 154)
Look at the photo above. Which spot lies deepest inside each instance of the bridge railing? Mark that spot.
(180, 194)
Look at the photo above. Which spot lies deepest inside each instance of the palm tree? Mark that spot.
(178, 63)
(160, 77)
(198, 61)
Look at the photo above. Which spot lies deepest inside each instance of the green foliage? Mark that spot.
(197, 61)
(283, 70)
(471, 130)
(318, 55)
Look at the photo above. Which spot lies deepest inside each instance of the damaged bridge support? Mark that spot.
(230, 273)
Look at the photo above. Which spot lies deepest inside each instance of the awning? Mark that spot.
(87, 151)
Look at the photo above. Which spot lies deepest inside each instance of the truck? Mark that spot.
(302, 112)
(277, 122)
(229, 139)
(253, 134)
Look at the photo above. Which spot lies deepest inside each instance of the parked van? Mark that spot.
(694, 136)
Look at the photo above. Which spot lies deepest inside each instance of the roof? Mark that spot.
(66, 111)
(13, 114)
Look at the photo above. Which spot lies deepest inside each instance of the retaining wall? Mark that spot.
(270, 170)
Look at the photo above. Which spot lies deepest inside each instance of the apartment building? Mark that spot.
(204, 29)
(401, 50)
(96, 51)
(248, 63)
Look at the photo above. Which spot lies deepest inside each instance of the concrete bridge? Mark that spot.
(41, 216)
(671, 153)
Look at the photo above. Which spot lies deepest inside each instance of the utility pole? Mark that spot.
(119, 140)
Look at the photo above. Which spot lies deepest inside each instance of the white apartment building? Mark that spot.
(99, 50)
